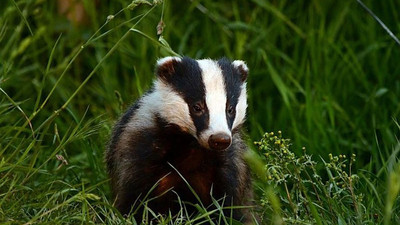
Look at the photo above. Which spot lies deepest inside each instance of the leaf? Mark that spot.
(381, 92)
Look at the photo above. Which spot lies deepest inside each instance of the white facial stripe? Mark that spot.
(215, 99)
(173, 108)
(241, 107)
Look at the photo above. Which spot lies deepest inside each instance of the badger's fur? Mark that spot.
(188, 124)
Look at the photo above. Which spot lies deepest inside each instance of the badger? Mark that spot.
(183, 136)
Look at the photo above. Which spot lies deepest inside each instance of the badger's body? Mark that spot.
(187, 125)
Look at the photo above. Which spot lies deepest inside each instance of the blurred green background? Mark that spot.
(324, 72)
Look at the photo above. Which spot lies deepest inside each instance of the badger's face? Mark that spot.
(205, 98)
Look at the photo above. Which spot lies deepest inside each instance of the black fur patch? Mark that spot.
(187, 82)
(233, 83)
(117, 131)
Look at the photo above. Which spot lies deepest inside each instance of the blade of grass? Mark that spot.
(23, 17)
(381, 23)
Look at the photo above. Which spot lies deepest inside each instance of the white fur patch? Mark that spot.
(241, 107)
(167, 59)
(240, 63)
(242, 101)
(215, 100)
(165, 102)
(144, 115)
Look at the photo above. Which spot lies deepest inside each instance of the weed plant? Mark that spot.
(294, 192)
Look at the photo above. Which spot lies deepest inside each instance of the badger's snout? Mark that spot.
(219, 141)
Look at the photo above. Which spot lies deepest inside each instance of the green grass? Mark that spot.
(324, 72)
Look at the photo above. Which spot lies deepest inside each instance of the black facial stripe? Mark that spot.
(187, 81)
(233, 85)
(201, 122)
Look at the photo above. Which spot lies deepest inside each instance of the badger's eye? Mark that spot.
(231, 110)
(197, 108)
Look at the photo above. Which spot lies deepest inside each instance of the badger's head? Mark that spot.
(205, 98)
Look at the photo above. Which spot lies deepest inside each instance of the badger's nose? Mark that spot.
(219, 141)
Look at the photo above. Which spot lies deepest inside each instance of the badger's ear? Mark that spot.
(166, 67)
(242, 68)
